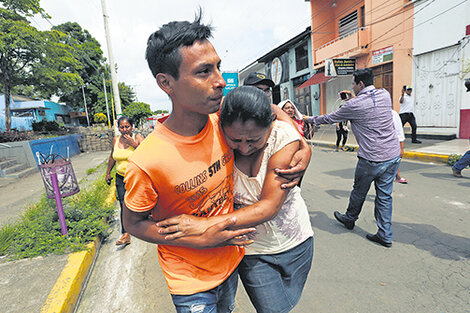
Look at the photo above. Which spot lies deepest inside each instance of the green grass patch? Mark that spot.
(38, 233)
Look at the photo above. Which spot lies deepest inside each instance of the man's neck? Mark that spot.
(186, 124)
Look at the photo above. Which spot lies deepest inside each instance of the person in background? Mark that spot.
(123, 147)
(342, 129)
(406, 111)
(461, 164)
(291, 110)
(370, 114)
(401, 138)
(259, 81)
(276, 265)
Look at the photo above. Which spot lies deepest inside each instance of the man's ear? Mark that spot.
(164, 81)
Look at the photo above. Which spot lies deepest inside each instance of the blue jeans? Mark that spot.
(382, 174)
(463, 162)
(220, 299)
(274, 282)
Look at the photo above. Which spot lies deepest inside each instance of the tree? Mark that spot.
(138, 111)
(26, 53)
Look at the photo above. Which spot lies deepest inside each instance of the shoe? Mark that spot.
(376, 239)
(402, 181)
(416, 141)
(124, 240)
(342, 219)
(456, 173)
(344, 148)
(336, 149)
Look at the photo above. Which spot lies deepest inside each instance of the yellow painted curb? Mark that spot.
(429, 157)
(64, 295)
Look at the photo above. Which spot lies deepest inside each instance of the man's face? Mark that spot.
(357, 87)
(408, 91)
(265, 88)
(199, 88)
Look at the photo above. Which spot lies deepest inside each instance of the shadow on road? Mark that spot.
(422, 236)
(344, 194)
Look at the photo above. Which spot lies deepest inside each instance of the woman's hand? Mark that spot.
(130, 141)
(183, 225)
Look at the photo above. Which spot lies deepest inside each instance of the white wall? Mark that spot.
(442, 31)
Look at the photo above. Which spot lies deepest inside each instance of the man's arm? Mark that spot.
(271, 200)
(218, 234)
(343, 113)
(402, 97)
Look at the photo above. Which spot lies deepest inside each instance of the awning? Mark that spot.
(317, 78)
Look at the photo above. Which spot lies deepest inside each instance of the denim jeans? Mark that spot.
(463, 162)
(220, 299)
(382, 174)
(274, 282)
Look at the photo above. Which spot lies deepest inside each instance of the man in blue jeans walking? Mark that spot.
(461, 164)
(370, 114)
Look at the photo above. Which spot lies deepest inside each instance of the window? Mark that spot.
(348, 24)
(301, 57)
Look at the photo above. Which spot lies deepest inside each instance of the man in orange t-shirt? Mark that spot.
(185, 166)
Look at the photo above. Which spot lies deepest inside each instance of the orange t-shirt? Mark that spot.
(173, 175)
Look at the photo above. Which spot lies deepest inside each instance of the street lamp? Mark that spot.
(84, 101)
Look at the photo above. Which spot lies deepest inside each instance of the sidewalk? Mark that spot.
(429, 150)
(26, 284)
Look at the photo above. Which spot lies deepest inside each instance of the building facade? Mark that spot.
(377, 34)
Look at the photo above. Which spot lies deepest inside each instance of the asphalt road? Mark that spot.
(426, 270)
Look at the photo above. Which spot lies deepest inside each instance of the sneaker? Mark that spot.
(456, 173)
(416, 141)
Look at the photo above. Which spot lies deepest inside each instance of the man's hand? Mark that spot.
(183, 225)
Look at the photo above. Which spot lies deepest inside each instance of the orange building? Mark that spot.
(377, 34)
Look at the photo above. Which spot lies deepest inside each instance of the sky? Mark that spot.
(244, 30)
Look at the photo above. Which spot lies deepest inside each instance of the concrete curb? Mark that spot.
(66, 291)
(412, 155)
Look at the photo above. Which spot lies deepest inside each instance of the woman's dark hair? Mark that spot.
(163, 54)
(246, 103)
(125, 118)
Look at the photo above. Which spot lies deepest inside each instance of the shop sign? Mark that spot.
(382, 55)
(231, 81)
(339, 67)
(276, 71)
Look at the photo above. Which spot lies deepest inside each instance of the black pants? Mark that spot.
(121, 191)
(341, 133)
(410, 118)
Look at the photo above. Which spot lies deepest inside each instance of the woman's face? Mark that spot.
(247, 137)
(289, 109)
(125, 127)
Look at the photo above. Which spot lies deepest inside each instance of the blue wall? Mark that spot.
(59, 146)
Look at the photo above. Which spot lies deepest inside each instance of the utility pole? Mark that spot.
(106, 99)
(84, 101)
(112, 66)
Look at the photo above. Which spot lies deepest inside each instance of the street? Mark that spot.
(426, 270)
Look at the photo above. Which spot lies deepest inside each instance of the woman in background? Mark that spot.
(342, 129)
(123, 147)
(303, 128)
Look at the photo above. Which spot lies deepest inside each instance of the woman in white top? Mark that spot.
(276, 264)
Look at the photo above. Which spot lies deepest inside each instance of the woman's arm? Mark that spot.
(111, 161)
(140, 226)
(271, 199)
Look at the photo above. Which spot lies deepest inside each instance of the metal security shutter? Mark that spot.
(348, 24)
